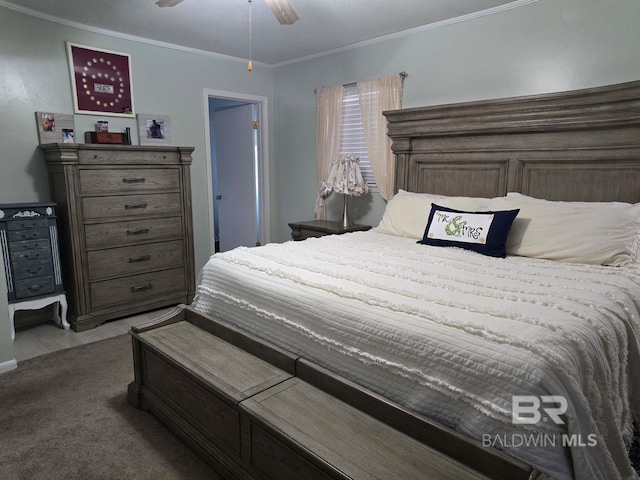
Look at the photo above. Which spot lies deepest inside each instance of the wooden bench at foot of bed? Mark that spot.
(254, 411)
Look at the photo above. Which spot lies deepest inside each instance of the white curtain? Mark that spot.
(376, 96)
(329, 113)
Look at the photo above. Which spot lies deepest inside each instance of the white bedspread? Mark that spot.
(454, 335)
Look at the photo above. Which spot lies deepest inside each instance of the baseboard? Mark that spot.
(6, 366)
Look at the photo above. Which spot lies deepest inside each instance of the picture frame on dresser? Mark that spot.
(101, 81)
(55, 127)
(154, 129)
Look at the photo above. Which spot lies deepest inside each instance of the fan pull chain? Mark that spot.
(250, 65)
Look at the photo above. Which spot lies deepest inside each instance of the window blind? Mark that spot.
(352, 133)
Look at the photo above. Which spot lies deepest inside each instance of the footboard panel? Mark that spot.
(218, 420)
(194, 382)
(256, 412)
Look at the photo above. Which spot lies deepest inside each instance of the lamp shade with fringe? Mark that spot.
(344, 177)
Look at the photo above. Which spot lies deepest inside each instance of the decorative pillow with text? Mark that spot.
(482, 232)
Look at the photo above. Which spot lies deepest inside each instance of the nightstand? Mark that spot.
(320, 228)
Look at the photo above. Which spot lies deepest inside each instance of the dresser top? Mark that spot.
(26, 205)
(111, 146)
(108, 154)
(19, 211)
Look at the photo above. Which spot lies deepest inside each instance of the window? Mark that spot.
(352, 133)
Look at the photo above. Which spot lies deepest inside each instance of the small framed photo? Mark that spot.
(101, 81)
(55, 127)
(154, 129)
(68, 135)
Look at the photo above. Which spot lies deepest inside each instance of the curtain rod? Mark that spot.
(402, 74)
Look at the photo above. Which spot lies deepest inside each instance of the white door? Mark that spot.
(236, 198)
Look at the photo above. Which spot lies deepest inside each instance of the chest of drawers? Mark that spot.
(29, 240)
(126, 228)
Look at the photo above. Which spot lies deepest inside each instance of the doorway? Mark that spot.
(237, 169)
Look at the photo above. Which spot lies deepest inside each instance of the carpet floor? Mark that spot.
(65, 415)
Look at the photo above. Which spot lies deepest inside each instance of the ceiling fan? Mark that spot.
(282, 9)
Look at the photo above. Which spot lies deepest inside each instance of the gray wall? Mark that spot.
(546, 46)
(34, 76)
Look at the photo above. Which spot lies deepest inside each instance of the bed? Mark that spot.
(527, 358)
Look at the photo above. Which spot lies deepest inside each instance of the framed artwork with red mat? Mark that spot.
(101, 81)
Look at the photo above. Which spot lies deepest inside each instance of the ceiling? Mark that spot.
(221, 27)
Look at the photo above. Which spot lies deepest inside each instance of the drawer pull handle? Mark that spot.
(135, 205)
(30, 255)
(140, 288)
(144, 258)
(31, 235)
(33, 246)
(35, 288)
(33, 272)
(28, 225)
(139, 231)
(134, 180)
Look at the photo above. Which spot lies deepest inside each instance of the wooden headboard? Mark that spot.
(577, 145)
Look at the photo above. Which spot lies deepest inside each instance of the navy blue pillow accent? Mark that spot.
(495, 245)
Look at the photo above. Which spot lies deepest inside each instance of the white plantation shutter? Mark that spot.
(352, 133)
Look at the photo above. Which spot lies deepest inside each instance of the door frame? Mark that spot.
(263, 161)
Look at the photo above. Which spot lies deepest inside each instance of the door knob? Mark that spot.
(218, 197)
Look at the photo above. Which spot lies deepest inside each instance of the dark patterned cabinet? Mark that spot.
(31, 259)
(126, 228)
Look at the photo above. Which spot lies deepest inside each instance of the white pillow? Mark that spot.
(523, 197)
(599, 233)
(407, 213)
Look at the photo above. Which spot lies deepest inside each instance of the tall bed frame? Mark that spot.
(580, 145)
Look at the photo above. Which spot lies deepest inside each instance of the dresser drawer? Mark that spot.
(21, 256)
(34, 268)
(137, 287)
(133, 231)
(39, 244)
(131, 205)
(136, 259)
(32, 287)
(21, 235)
(27, 224)
(129, 180)
(126, 156)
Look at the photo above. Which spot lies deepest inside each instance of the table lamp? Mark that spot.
(345, 178)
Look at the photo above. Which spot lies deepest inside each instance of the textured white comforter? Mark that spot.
(454, 335)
